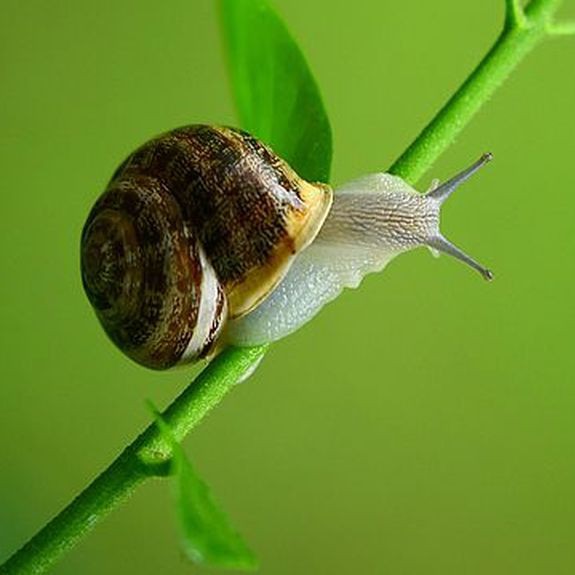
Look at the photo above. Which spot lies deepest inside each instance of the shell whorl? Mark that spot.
(143, 273)
(197, 224)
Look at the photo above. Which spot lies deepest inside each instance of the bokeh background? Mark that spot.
(422, 424)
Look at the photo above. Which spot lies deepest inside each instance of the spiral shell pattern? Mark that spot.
(197, 224)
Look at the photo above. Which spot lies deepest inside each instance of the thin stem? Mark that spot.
(510, 48)
(540, 11)
(514, 16)
(105, 493)
(148, 455)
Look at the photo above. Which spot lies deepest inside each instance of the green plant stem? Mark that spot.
(148, 455)
(519, 36)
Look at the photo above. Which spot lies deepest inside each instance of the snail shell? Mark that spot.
(196, 227)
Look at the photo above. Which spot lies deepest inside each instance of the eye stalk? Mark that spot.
(440, 194)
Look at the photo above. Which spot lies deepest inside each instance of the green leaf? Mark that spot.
(276, 94)
(208, 536)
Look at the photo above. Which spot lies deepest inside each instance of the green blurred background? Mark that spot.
(422, 424)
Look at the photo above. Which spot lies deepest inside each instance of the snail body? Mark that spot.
(204, 236)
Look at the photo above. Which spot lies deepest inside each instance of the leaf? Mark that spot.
(207, 535)
(276, 94)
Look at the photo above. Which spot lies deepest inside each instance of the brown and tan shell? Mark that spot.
(197, 225)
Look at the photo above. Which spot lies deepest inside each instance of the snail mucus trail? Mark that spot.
(205, 237)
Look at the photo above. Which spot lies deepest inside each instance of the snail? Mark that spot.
(205, 237)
